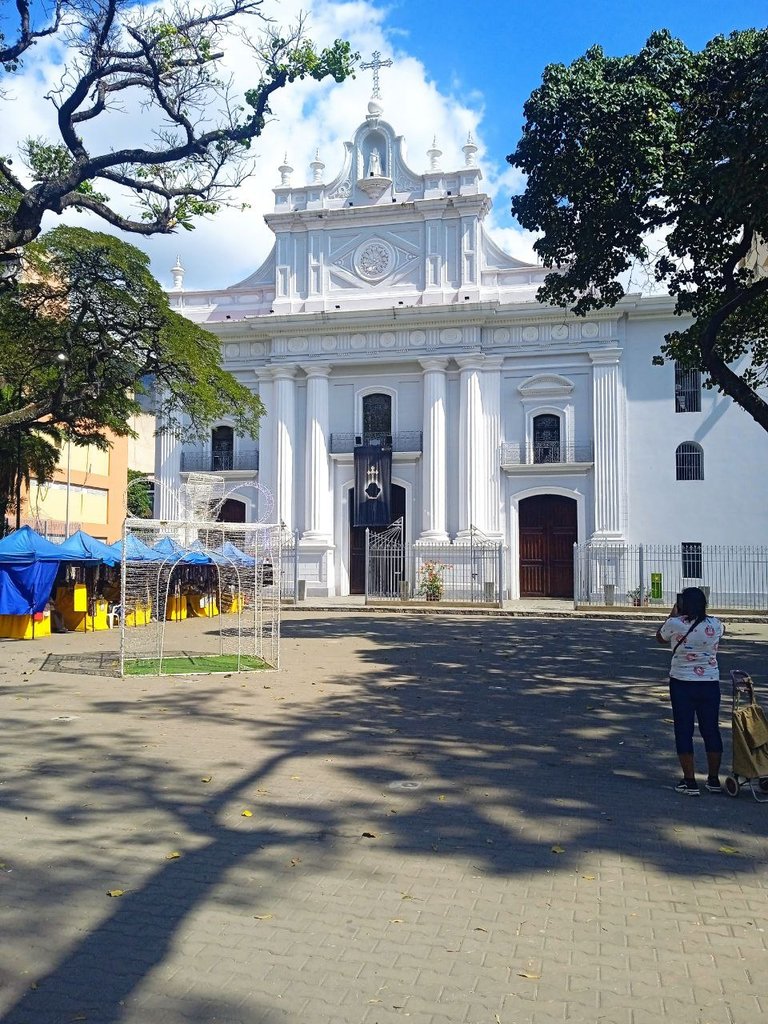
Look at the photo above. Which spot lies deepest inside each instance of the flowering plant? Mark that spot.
(430, 580)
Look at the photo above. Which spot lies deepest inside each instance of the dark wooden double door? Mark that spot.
(548, 531)
(357, 538)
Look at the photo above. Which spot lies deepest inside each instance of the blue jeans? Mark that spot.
(696, 700)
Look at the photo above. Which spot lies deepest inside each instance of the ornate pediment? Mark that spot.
(546, 385)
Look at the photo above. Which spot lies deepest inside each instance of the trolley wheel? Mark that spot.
(731, 785)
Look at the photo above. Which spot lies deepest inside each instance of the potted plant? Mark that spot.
(639, 596)
(430, 580)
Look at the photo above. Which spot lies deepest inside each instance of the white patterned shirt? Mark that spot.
(696, 654)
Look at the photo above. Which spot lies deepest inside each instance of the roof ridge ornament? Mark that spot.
(375, 108)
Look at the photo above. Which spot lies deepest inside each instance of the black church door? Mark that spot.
(357, 537)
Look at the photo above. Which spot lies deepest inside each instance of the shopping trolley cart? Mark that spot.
(749, 728)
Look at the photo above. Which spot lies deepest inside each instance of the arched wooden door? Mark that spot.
(548, 532)
(357, 538)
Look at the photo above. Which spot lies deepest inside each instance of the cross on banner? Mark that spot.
(375, 65)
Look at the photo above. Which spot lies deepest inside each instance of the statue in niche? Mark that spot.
(374, 164)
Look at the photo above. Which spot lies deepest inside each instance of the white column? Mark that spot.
(284, 402)
(608, 411)
(491, 383)
(433, 480)
(472, 480)
(318, 499)
(167, 474)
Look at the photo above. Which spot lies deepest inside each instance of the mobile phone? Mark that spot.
(679, 602)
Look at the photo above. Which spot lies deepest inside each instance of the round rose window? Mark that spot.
(374, 260)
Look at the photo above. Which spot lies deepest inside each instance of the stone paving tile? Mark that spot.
(517, 737)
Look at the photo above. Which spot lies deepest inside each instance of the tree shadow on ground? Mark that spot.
(486, 740)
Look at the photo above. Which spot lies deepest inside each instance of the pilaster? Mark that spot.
(318, 507)
(609, 418)
(434, 480)
(284, 398)
(472, 479)
(167, 474)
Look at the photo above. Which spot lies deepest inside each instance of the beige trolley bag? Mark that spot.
(750, 740)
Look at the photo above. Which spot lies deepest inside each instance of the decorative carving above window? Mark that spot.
(546, 385)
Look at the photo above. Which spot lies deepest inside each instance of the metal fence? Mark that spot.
(470, 571)
(289, 566)
(734, 577)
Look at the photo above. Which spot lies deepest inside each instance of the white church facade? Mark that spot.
(386, 314)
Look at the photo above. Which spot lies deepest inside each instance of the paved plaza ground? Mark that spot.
(450, 820)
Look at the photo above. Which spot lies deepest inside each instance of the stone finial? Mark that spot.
(178, 275)
(285, 171)
(469, 152)
(434, 155)
(317, 166)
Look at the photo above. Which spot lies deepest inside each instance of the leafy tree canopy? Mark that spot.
(85, 328)
(190, 134)
(139, 495)
(660, 158)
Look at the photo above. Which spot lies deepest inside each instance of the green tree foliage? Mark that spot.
(661, 159)
(25, 453)
(139, 495)
(190, 142)
(84, 330)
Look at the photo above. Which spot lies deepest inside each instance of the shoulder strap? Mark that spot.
(690, 630)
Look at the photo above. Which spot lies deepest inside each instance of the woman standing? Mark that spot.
(694, 685)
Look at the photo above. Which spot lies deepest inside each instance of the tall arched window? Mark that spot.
(689, 461)
(377, 418)
(546, 438)
(222, 448)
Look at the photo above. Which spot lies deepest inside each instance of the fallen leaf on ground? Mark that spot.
(115, 892)
(295, 776)
(207, 778)
(396, 920)
(589, 878)
(478, 929)
(173, 855)
(441, 798)
(527, 974)
(263, 917)
(557, 849)
(246, 814)
(295, 861)
(369, 835)
(728, 849)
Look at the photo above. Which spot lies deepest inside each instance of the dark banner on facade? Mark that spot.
(373, 485)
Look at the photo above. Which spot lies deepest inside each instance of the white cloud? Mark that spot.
(307, 116)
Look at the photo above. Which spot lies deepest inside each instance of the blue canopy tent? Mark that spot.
(28, 567)
(136, 550)
(169, 550)
(233, 553)
(81, 547)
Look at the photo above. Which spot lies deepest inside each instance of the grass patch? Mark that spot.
(188, 664)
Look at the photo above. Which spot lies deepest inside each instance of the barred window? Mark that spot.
(691, 560)
(222, 448)
(546, 438)
(377, 418)
(687, 389)
(689, 461)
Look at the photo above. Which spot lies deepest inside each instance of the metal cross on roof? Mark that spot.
(375, 64)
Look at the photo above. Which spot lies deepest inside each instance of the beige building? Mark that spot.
(88, 490)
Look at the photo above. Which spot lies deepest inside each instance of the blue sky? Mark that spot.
(459, 67)
(499, 49)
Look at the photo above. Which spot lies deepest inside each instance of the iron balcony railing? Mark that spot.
(219, 462)
(549, 453)
(404, 441)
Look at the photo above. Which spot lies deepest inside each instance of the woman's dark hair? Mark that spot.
(693, 604)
